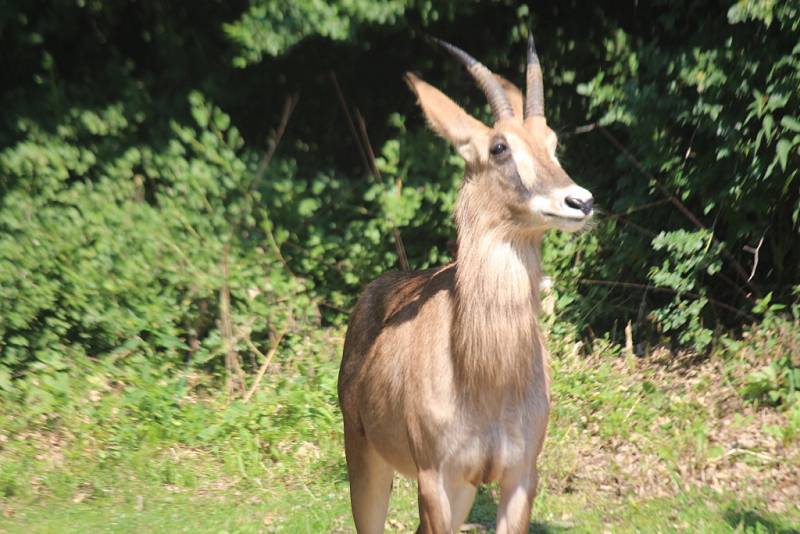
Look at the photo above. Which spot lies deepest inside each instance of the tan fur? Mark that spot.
(444, 376)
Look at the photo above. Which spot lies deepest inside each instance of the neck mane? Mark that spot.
(496, 339)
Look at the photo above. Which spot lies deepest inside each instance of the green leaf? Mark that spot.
(790, 123)
(6, 383)
(782, 152)
(769, 124)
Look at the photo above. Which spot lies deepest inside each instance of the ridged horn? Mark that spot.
(534, 90)
(501, 107)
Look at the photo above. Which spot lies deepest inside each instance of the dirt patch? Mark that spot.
(726, 445)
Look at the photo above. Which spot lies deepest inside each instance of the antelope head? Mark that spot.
(512, 171)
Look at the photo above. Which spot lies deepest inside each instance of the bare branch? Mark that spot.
(368, 159)
(586, 128)
(288, 108)
(647, 287)
(675, 202)
(350, 123)
(754, 252)
(637, 208)
(398, 239)
(234, 380)
(266, 360)
(362, 129)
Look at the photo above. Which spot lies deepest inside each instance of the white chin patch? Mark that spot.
(569, 225)
(540, 204)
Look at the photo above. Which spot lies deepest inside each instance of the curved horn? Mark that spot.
(501, 107)
(534, 91)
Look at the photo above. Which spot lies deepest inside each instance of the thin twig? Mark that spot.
(754, 252)
(732, 283)
(629, 354)
(234, 379)
(124, 353)
(277, 250)
(368, 159)
(366, 145)
(288, 108)
(678, 204)
(586, 128)
(398, 239)
(737, 450)
(642, 308)
(613, 283)
(401, 250)
(638, 227)
(335, 307)
(672, 198)
(636, 208)
(689, 147)
(266, 360)
(242, 332)
(350, 123)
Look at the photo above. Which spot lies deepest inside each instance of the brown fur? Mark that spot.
(444, 376)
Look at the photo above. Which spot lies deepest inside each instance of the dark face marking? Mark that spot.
(501, 157)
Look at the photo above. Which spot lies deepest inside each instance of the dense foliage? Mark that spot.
(154, 162)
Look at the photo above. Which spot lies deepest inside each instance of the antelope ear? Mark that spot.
(469, 136)
(513, 93)
(550, 142)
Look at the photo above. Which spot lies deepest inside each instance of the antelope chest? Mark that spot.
(502, 441)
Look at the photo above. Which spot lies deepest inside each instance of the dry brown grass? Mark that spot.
(695, 431)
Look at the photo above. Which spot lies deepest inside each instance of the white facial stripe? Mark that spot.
(552, 143)
(523, 160)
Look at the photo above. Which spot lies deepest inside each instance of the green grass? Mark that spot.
(653, 445)
(323, 507)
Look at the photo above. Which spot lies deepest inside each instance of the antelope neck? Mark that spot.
(496, 339)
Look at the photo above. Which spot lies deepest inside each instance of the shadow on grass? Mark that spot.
(484, 511)
(752, 521)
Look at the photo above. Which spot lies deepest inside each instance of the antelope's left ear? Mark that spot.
(469, 136)
(513, 93)
(550, 141)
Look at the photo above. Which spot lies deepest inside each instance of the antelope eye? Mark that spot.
(498, 148)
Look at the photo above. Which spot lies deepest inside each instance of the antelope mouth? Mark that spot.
(568, 218)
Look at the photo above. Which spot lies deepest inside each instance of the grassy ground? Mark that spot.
(658, 444)
(326, 510)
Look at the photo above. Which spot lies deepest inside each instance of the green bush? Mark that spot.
(131, 253)
(774, 345)
(126, 190)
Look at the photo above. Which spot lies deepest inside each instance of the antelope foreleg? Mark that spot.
(516, 497)
(370, 484)
(434, 506)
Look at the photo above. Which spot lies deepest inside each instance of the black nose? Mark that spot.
(584, 205)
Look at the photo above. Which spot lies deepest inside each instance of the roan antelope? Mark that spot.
(445, 375)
